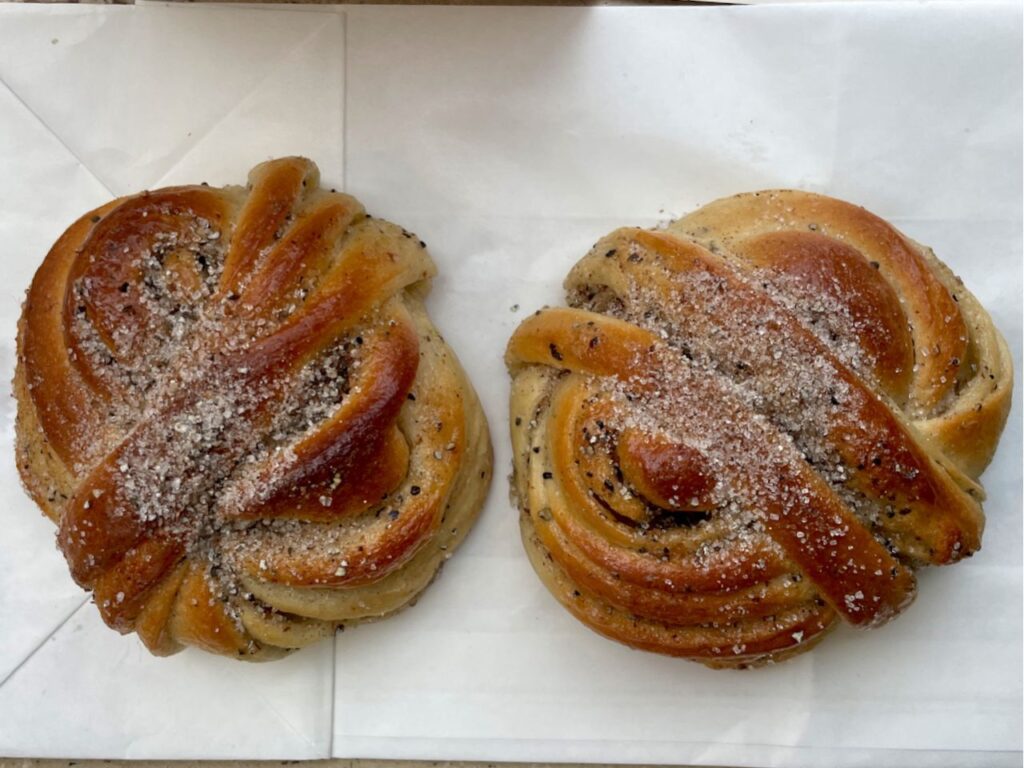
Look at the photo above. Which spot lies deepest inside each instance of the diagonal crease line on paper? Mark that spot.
(271, 72)
(17, 97)
(43, 642)
(289, 726)
(190, 146)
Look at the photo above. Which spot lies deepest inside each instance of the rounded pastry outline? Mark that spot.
(752, 425)
(235, 407)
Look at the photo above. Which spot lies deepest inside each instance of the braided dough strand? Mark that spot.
(731, 440)
(235, 407)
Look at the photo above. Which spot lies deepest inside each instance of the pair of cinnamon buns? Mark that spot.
(745, 428)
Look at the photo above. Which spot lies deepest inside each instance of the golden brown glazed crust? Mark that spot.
(234, 406)
(751, 425)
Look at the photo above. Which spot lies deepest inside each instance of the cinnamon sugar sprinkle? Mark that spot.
(197, 427)
(775, 399)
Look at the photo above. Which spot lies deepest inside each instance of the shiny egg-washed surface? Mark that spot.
(752, 425)
(234, 406)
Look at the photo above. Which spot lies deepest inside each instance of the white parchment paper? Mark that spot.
(510, 139)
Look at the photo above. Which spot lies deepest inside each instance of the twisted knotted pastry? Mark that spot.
(751, 425)
(233, 404)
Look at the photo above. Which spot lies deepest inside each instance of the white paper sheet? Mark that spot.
(510, 139)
